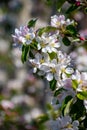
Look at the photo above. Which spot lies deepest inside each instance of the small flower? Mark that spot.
(48, 43)
(81, 79)
(39, 60)
(50, 69)
(65, 68)
(59, 21)
(58, 68)
(24, 35)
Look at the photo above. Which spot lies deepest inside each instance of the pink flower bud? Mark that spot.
(78, 3)
(82, 38)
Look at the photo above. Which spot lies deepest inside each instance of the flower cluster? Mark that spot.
(64, 123)
(68, 85)
(60, 21)
(24, 35)
(48, 42)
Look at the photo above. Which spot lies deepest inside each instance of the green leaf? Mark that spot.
(76, 40)
(52, 55)
(23, 47)
(74, 84)
(31, 55)
(64, 104)
(60, 3)
(49, 107)
(77, 109)
(66, 41)
(25, 50)
(71, 30)
(31, 23)
(86, 9)
(71, 1)
(57, 92)
(34, 45)
(68, 107)
(42, 118)
(72, 8)
(46, 29)
(82, 95)
(49, 2)
(53, 84)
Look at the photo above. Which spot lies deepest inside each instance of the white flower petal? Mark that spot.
(49, 76)
(84, 76)
(45, 68)
(75, 123)
(44, 50)
(69, 70)
(57, 45)
(34, 70)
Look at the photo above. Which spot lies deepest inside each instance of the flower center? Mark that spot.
(53, 70)
(42, 45)
(42, 61)
(27, 36)
(58, 23)
(52, 44)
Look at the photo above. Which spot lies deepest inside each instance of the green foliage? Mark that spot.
(46, 29)
(57, 92)
(66, 41)
(68, 107)
(25, 50)
(52, 55)
(49, 2)
(53, 84)
(86, 9)
(60, 3)
(82, 95)
(72, 8)
(77, 109)
(31, 23)
(49, 107)
(66, 104)
(74, 84)
(51, 111)
(43, 118)
(71, 30)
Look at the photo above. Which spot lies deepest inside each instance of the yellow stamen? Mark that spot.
(58, 23)
(52, 44)
(27, 37)
(42, 61)
(53, 70)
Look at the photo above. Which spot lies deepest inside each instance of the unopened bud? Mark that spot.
(78, 3)
(82, 38)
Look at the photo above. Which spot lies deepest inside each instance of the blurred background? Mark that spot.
(22, 95)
